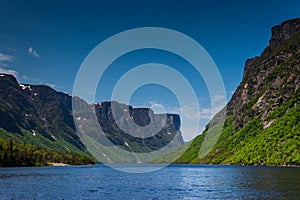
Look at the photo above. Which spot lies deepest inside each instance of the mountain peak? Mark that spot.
(5, 75)
(262, 117)
(8, 77)
(7, 83)
(283, 32)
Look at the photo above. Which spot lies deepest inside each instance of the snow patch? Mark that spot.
(53, 137)
(78, 118)
(99, 104)
(35, 94)
(2, 75)
(25, 87)
(33, 132)
(169, 133)
(127, 144)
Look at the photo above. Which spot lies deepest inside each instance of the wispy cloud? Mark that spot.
(153, 102)
(4, 64)
(12, 50)
(217, 98)
(193, 111)
(37, 81)
(9, 71)
(33, 52)
(6, 58)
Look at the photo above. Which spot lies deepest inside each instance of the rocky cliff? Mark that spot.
(262, 118)
(39, 115)
(270, 79)
(159, 133)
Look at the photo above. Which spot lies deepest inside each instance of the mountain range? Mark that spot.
(258, 126)
(40, 116)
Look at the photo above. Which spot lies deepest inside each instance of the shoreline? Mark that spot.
(54, 164)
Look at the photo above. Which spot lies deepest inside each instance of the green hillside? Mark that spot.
(262, 118)
(13, 153)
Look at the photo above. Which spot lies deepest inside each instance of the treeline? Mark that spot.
(13, 153)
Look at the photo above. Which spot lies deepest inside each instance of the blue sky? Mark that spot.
(45, 42)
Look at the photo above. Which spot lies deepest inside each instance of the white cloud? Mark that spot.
(12, 49)
(6, 58)
(3, 65)
(193, 119)
(33, 52)
(193, 111)
(205, 113)
(189, 111)
(37, 81)
(158, 108)
(9, 71)
(52, 85)
(151, 103)
(217, 98)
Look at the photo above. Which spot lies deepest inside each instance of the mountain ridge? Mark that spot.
(262, 118)
(41, 116)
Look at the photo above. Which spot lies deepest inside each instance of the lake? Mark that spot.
(172, 182)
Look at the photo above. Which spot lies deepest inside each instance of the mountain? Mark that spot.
(262, 118)
(40, 116)
(138, 133)
(140, 137)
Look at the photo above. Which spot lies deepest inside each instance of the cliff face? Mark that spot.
(270, 79)
(283, 32)
(39, 115)
(37, 112)
(161, 129)
(262, 117)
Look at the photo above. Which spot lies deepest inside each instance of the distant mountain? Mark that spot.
(262, 125)
(39, 115)
(141, 117)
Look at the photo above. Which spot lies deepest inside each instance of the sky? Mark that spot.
(46, 42)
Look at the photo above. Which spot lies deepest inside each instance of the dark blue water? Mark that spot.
(173, 182)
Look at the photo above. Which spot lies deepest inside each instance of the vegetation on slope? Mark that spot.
(13, 153)
(279, 144)
(263, 115)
